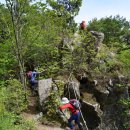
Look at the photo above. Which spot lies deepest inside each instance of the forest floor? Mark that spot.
(31, 115)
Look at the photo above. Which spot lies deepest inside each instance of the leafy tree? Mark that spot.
(44, 49)
(66, 8)
(4, 32)
(124, 56)
(7, 59)
(112, 27)
(17, 10)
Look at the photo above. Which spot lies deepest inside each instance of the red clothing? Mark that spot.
(70, 107)
(83, 25)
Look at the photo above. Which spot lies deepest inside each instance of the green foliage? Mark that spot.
(81, 54)
(66, 8)
(106, 61)
(124, 56)
(7, 61)
(126, 104)
(52, 103)
(67, 5)
(16, 97)
(40, 37)
(112, 27)
(4, 32)
(6, 119)
(44, 48)
(48, 27)
(25, 125)
(9, 120)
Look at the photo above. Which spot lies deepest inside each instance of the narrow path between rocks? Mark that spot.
(31, 112)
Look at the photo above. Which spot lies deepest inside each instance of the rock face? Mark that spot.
(91, 115)
(98, 35)
(107, 95)
(113, 117)
(44, 87)
(71, 90)
(99, 38)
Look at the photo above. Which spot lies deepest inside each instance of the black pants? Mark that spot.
(34, 84)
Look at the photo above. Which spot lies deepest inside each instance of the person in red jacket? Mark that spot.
(75, 113)
(83, 25)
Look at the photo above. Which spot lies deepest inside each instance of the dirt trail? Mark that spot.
(31, 112)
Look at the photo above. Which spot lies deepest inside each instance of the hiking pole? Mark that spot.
(62, 113)
(84, 120)
(80, 110)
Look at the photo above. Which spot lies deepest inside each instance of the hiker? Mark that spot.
(75, 113)
(32, 79)
(83, 25)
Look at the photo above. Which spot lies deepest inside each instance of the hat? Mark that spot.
(64, 100)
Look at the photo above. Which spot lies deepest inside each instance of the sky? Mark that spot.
(101, 8)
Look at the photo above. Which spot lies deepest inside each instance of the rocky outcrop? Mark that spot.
(91, 115)
(99, 98)
(71, 90)
(99, 36)
(108, 94)
(44, 87)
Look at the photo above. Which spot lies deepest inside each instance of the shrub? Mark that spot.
(16, 100)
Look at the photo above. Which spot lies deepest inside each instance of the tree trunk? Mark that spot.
(16, 26)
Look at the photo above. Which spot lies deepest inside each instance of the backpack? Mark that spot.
(75, 103)
(29, 74)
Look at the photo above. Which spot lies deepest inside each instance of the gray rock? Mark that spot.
(71, 90)
(44, 87)
(98, 35)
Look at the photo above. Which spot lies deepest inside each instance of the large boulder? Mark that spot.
(91, 114)
(44, 87)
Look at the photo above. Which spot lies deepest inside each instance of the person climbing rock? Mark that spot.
(75, 113)
(32, 80)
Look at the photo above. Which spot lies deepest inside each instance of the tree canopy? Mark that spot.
(45, 36)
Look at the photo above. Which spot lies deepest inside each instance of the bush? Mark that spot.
(16, 100)
(9, 120)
